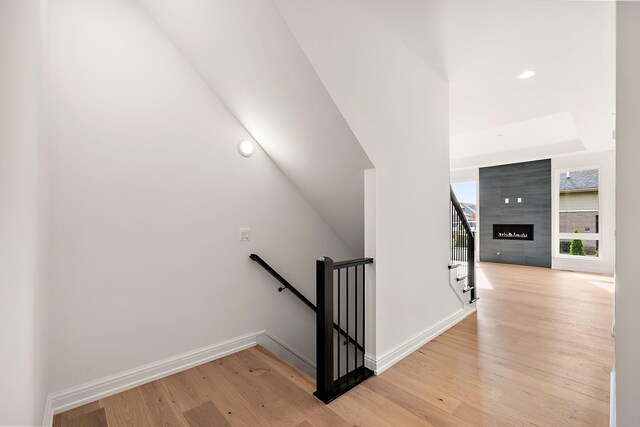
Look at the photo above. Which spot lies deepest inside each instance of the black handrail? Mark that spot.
(279, 278)
(297, 293)
(352, 263)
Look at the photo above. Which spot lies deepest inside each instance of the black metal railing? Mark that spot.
(462, 256)
(288, 286)
(340, 295)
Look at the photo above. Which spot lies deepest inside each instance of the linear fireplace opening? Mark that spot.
(513, 231)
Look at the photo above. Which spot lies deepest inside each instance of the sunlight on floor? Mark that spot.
(481, 280)
(603, 282)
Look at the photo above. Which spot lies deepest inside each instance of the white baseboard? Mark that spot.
(73, 397)
(390, 358)
(48, 413)
(612, 400)
(286, 353)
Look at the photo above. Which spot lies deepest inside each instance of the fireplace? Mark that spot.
(513, 231)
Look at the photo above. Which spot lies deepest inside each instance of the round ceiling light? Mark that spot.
(245, 148)
(527, 74)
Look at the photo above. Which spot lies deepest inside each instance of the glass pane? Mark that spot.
(579, 202)
(577, 247)
(466, 195)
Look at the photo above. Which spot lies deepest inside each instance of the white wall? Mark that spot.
(148, 194)
(628, 206)
(397, 106)
(245, 52)
(370, 251)
(23, 214)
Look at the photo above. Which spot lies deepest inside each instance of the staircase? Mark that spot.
(340, 323)
(462, 277)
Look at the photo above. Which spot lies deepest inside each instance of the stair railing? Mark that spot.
(340, 295)
(288, 286)
(462, 248)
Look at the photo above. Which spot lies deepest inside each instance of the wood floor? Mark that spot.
(538, 353)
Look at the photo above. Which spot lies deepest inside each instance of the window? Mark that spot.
(466, 194)
(579, 213)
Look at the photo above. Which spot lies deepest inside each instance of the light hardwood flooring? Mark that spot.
(537, 353)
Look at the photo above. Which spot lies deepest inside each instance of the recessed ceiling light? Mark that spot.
(245, 148)
(527, 74)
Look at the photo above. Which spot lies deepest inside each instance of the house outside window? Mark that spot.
(579, 213)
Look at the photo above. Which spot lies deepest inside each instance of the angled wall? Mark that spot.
(244, 51)
(148, 195)
(397, 106)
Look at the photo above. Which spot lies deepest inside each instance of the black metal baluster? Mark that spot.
(451, 234)
(339, 323)
(364, 317)
(355, 299)
(457, 237)
(464, 248)
(347, 310)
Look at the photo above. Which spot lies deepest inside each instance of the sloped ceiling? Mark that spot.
(246, 54)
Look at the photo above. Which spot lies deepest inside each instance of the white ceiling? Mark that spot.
(483, 46)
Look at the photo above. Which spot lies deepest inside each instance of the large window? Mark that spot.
(579, 213)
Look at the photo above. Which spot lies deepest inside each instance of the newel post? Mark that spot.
(324, 328)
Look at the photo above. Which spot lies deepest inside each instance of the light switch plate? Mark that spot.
(245, 234)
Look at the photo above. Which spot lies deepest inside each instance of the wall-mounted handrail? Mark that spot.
(285, 284)
(298, 294)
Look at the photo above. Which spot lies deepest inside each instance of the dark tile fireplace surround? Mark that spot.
(515, 201)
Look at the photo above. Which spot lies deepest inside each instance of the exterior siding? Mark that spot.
(579, 201)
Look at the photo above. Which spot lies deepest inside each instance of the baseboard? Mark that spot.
(73, 397)
(47, 420)
(390, 358)
(286, 353)
(612, 400)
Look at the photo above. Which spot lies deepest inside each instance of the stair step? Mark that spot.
(461, 278)
(452, 266)
(474, 300)
(468, 289)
